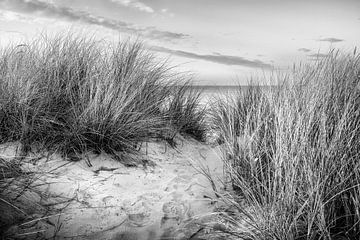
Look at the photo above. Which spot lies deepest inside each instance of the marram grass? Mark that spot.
(292, 153)
(73, 94)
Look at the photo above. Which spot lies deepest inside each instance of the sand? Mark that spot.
(166, 199)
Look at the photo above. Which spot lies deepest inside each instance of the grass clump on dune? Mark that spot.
(292, 154)
(186, 113)
(72, 94)
(23, 206)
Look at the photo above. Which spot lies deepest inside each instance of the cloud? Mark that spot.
(50, 10)
(304, 50)
(216, 58)
(8, 16)
(134, 4)
(318, 55)
(331, 40)
(165, 11)
(154, 33)
(9, 31)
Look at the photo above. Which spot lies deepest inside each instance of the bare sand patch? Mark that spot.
(107, 200)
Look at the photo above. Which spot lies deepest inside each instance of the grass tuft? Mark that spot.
(72, 94)
(20, 211)
(187, 113)
(291, 152)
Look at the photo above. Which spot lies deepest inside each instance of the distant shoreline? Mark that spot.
(227, 86)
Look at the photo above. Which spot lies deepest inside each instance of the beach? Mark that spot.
(114, 145)
(168, 197)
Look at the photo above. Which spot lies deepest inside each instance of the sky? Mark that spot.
(221, 42)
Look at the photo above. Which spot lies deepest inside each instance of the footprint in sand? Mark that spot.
(174, 213)
(139, 214)
(147, 234)
(138, 219)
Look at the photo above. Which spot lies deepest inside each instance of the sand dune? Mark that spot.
(163, 200)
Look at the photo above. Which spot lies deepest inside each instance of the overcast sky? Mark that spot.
(221, 41)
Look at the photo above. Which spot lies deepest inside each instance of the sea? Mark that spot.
(215, 92)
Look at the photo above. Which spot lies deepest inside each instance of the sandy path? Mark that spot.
(111, 201)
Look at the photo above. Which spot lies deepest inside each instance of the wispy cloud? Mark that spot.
(51, 10)
(9, 31)
(216, 58)
(304, 50)
(318, 55)
(331, 40)
(9, 16)
(134, 4)
(167, 12)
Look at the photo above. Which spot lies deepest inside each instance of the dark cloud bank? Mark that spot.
(331, 40)
(217, 58)
(304, 50)
(54, 11)
(318, 55)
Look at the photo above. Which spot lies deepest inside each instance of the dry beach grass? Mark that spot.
(290, 151)
(70, 95)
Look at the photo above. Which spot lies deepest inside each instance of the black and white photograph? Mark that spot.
(180, 119)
